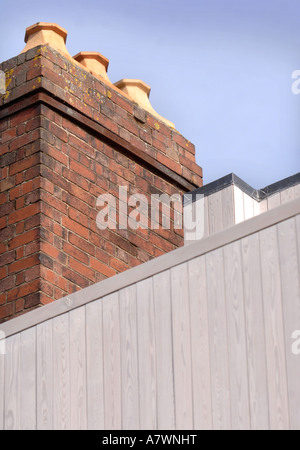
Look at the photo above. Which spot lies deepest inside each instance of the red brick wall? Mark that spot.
(66, 138)
(19, 213)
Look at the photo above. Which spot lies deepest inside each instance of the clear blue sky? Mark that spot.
(219, 69)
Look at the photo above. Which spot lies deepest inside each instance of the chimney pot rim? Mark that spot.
(39, 26)
(133, 82)
(79, 57)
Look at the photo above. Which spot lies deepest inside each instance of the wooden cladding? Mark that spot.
(201, 340)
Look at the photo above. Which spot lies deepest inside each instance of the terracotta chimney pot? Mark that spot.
(139, 92)
(96, 63)
(43, 33)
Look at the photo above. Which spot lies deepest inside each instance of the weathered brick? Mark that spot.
(6, 311)
(102, 268)
(81, 243)
(24, 213)
(76, 253)
(23, 264)
(8, 135)
(75, 277)
(23, 290)
(20, 166)
(54, 166)
(75, 227)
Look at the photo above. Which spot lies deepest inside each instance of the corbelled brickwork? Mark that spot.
(66, 138)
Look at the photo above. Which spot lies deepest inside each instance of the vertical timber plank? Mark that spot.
(215, 214)
(164, 351)
(130, 388)
(2, 386)
(112, 362)
(94, 361)
(218, 341)
(257, 366)
(235, 311)
(289, 269)
(274, 331)
(146, 355)
(78, 369)
(248, 206)
(274, 201)
(200, 344)
(12, 383)
(28, 379)
(61, 373)
(182, 348)
(287, 195)
(239, 215)
(44, 376)
(227, 207)
(206, 217)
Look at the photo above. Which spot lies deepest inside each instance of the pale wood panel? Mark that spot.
(146, 355)
(218, 340)
(287, 195)
(61, 373)
(228, 218)
(164, 351)
(238, 205)
(2, 388)
(200, 344)
(289, 269)
(206, 218)
(235, 311)
(248, 206)
(258, 207)
(94, 362)
(182, 348)
(78, 369)
(129, 368)
(256, 352)
(189, 225)
(28, 379)
(112, 362)
(44, 375)
(2, 376)
(194, 218)
(274, 331)
(157, 265)
(263, 206)
(274, 201)
(156, 336)
(215, 212)
(12, 384)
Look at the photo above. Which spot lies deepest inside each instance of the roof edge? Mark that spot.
(233, 179)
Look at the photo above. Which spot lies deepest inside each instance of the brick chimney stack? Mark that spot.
(68, 135)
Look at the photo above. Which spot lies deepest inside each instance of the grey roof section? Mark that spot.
(232, 179)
